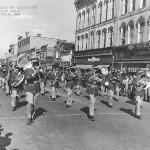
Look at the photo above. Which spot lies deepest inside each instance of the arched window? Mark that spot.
(79, 21)
(100, 11)
(88, 17)
(93, 14)
(78, 43)
(104, 31)
(110, 30)
(82, 37)
(130, 31)
(106, 2)
(86, 44)
(99, 34)
(123, 33)
(83, 20)
(125, 6)
(92, 40)
(140, 27)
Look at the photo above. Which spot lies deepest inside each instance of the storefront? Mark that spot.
(131, 58)
(94, 57)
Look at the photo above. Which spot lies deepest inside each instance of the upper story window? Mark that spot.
(143, 4)
(92, 40)
(79, 21)
(99, 34)
(100, 11)
(140, 27)
(86, 44)
(88, 16)
(93, 14)
(132, 5)
(125, 6)
(104, 31)
(83, 19)
(130, 32)
(123, 33)
(78, 43)
(110, 30)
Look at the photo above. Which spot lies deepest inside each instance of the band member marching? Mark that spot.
(31, 85)
(79, 79)
(16, 84)
(92, 90)
(42, 80)
(54, 79)
(140, 85)
(70, 79)
(109, 84)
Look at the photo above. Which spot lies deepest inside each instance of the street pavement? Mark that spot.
(59, 128)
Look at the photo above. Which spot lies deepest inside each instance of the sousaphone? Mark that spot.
(25, 63)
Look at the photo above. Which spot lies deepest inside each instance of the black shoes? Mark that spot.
(53, 99)
(92, 118)
(13, 108)
(110, 106)
(67, 106)
(139, 117)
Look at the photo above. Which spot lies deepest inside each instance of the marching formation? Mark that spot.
(32, 79)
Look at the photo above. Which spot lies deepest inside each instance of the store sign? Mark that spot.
(93, 59)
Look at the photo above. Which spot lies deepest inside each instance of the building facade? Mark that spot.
(112, 30)
(64, 53)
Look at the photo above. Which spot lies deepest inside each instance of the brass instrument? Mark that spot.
(141, 84)
(19, 78)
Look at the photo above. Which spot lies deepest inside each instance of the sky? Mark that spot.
(51, 18)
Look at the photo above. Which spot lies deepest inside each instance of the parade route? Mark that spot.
(58, 128)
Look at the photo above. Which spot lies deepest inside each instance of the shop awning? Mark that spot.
(101, 66)
(83, 66)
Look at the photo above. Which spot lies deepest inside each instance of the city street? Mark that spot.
(59, 128)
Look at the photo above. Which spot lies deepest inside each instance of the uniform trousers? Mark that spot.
(117, 90)
(31, 99)
(92, 104)
(69, 99)
(7, 88)
(14, 94)
(54, 91)
(111, 95)
(42, 87)
(139, 101)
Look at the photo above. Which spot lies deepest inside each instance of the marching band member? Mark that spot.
(79, 78)
(139, 84)
(32, 89)
(7, 80)
(42, 80)
(4, 73)
(92, 90)
(31, 85)
(54, 83)
(69, 77)
(16, 81)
